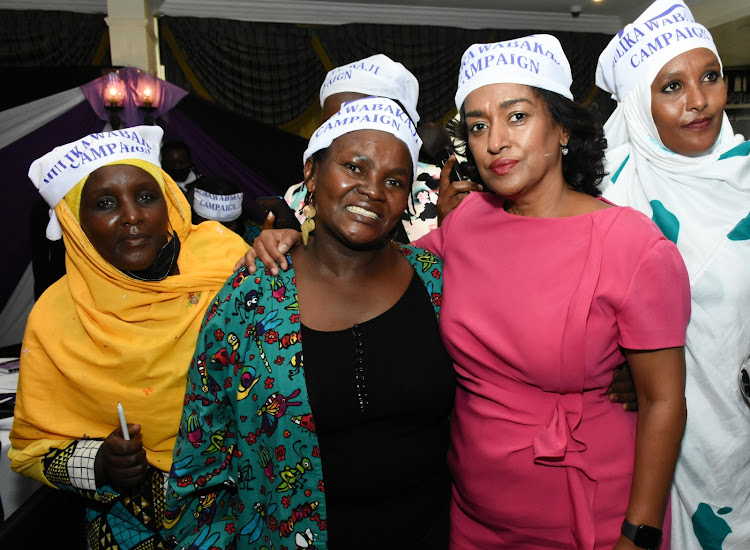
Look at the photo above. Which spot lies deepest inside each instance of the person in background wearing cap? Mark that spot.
(673, 155)
(121, 326)
(377, 75)
(546, 290)
(348, 451)
(214, 198)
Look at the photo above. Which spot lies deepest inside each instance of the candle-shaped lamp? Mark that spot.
(147, 87)
(114, 90)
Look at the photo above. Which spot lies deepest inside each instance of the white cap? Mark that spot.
(220, 208)
(376, 75)
(537, 60)
(60, 170)
(640, 50)
(370, 113)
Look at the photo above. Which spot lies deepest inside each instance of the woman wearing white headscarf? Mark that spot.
(673, 155)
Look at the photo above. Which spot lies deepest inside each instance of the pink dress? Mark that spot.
(534, 313)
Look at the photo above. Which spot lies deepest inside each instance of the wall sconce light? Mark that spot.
(114, 93)
(148, 90)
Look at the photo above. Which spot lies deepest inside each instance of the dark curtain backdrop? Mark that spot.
(272, 72)
(45, 52)
(254, 78)
(51, 38)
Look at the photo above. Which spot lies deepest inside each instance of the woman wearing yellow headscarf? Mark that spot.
(121, 326)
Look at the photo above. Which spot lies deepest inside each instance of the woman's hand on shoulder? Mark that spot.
(121, 463)
(452, 192)
(270, 246)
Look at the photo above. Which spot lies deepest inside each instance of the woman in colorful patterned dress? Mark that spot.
(672, 155)
(120, 327)
(349, 450)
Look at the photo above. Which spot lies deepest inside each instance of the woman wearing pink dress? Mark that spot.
(547, 289)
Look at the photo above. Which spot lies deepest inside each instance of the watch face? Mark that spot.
(647, 537)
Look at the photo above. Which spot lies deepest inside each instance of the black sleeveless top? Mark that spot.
(381, 394)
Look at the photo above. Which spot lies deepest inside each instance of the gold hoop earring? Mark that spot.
(309, 211)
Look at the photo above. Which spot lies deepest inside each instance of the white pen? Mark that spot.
(123, 424)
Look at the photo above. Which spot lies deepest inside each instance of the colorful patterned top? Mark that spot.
(251, 231)
(247, 463)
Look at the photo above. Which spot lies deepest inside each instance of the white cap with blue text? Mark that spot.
(220, 208)
(537, 60)
(60, 170)
(665, 30)
(376, 75)
(370, 113)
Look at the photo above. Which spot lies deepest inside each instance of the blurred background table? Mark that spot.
(14, 488)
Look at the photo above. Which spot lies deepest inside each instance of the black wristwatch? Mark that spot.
(643, 536)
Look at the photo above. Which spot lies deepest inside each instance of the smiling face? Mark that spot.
(361, 186)
(687, 102)
(514, 140)
(124, 215)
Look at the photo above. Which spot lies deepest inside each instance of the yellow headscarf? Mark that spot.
(98, 336)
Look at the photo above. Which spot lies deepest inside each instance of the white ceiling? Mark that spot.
(606, 16)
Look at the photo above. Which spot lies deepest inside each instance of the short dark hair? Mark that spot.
(583, 166)
(216, 185)
(175, 145)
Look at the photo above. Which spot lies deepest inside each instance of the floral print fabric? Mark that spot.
(247, 464)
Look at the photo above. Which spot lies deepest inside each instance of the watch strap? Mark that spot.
(643, 536)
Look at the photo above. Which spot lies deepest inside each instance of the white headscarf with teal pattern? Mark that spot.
(703, 204)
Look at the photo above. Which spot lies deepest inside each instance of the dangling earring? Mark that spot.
(309, 211)
(564, 149)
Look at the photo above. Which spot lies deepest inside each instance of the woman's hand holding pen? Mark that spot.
(119, 462)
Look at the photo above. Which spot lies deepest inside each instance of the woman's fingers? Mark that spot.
(271, 247)
(269, 254)
(124, 461)
(248, 261)
(622, 390)
(445, 173)
(129, 462)
(452, 192)
(268, 222)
